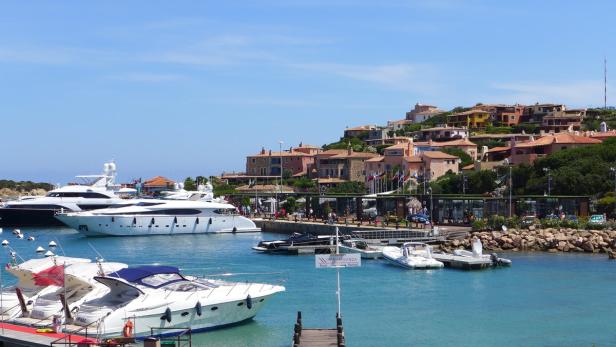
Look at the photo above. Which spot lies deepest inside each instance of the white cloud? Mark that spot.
(576, 93)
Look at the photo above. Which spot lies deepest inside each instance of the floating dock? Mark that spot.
(318, 337)
(465, 263)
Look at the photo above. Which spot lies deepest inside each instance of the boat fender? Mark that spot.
(167, 315)
(152, 221)
(197, 221)
(127, 331)
(209, 221)
(112, 219)
(234, 230)
(134, 220)
(198, 308)
(175, 220)
(249, 302)
(494, 259)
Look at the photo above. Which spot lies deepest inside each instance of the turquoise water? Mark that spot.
(543, 300)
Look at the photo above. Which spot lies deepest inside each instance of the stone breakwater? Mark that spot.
(548, 240)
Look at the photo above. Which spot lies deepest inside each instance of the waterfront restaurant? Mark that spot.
(448, 209)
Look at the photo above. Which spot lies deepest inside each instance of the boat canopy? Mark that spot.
(153, 276)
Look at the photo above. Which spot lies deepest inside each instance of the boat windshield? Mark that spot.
(159, 280)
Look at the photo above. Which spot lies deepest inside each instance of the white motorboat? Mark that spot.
(28, 285)
(366, 250)
(412, 255)
(161, 297)
(477, 253)
(79, 286)
(92, 192)
(160, 217)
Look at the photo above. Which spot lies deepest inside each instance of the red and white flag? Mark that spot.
(53, 276)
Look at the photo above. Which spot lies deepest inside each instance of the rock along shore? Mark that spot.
(548, 240)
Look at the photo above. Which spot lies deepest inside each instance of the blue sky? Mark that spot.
(189, 88)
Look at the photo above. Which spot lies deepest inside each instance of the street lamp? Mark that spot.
(281, 168)
(547, 170)
(510, 185)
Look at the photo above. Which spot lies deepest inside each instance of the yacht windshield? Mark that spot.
(159, 280)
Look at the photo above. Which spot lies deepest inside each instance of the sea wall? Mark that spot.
(549, 240)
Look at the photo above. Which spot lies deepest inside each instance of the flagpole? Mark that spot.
(65, 298)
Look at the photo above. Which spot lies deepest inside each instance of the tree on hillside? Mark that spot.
(189, 184)
(465, 159)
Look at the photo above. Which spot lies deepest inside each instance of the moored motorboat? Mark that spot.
(296, 239)
(412, 255)
(366, 250)
(161, 297)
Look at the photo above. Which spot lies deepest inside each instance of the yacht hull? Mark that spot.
(143, 225)
(28, 217)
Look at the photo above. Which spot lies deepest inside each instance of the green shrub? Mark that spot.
(512, 222)
(496, 222)
(550, 223)
(479, 225)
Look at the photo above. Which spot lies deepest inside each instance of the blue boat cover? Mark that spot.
(135, 274)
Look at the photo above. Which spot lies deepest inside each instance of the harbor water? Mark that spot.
(542, 300)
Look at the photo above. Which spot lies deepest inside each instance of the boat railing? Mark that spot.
(74, 334)
(184, 338)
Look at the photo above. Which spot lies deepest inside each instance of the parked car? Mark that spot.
(418, 218)
(597, 219)
(551, 216)
(371, 212)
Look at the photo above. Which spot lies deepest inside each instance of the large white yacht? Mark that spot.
(160, 217)
(161, 297)
(91, 192)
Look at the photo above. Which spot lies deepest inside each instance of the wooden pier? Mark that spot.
(318, 337)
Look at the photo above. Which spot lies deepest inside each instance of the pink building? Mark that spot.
(297, 160)
(528, 152)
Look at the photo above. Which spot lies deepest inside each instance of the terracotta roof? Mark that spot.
(611, 133)
(498, 149)
(375, 159)
(564, 138)
(399, 146)
(459, 142)
(283, 154)
(158, 181)
(438, 155)
(469, 167)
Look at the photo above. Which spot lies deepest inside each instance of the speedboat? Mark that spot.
(92, 192)
(78, 286)
(32, 282)
(412, 255)
(477, 253)
(296, 239)
(366, 250)
(160, 217)
(161, 297)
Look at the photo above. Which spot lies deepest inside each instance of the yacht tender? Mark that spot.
(412, 255)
